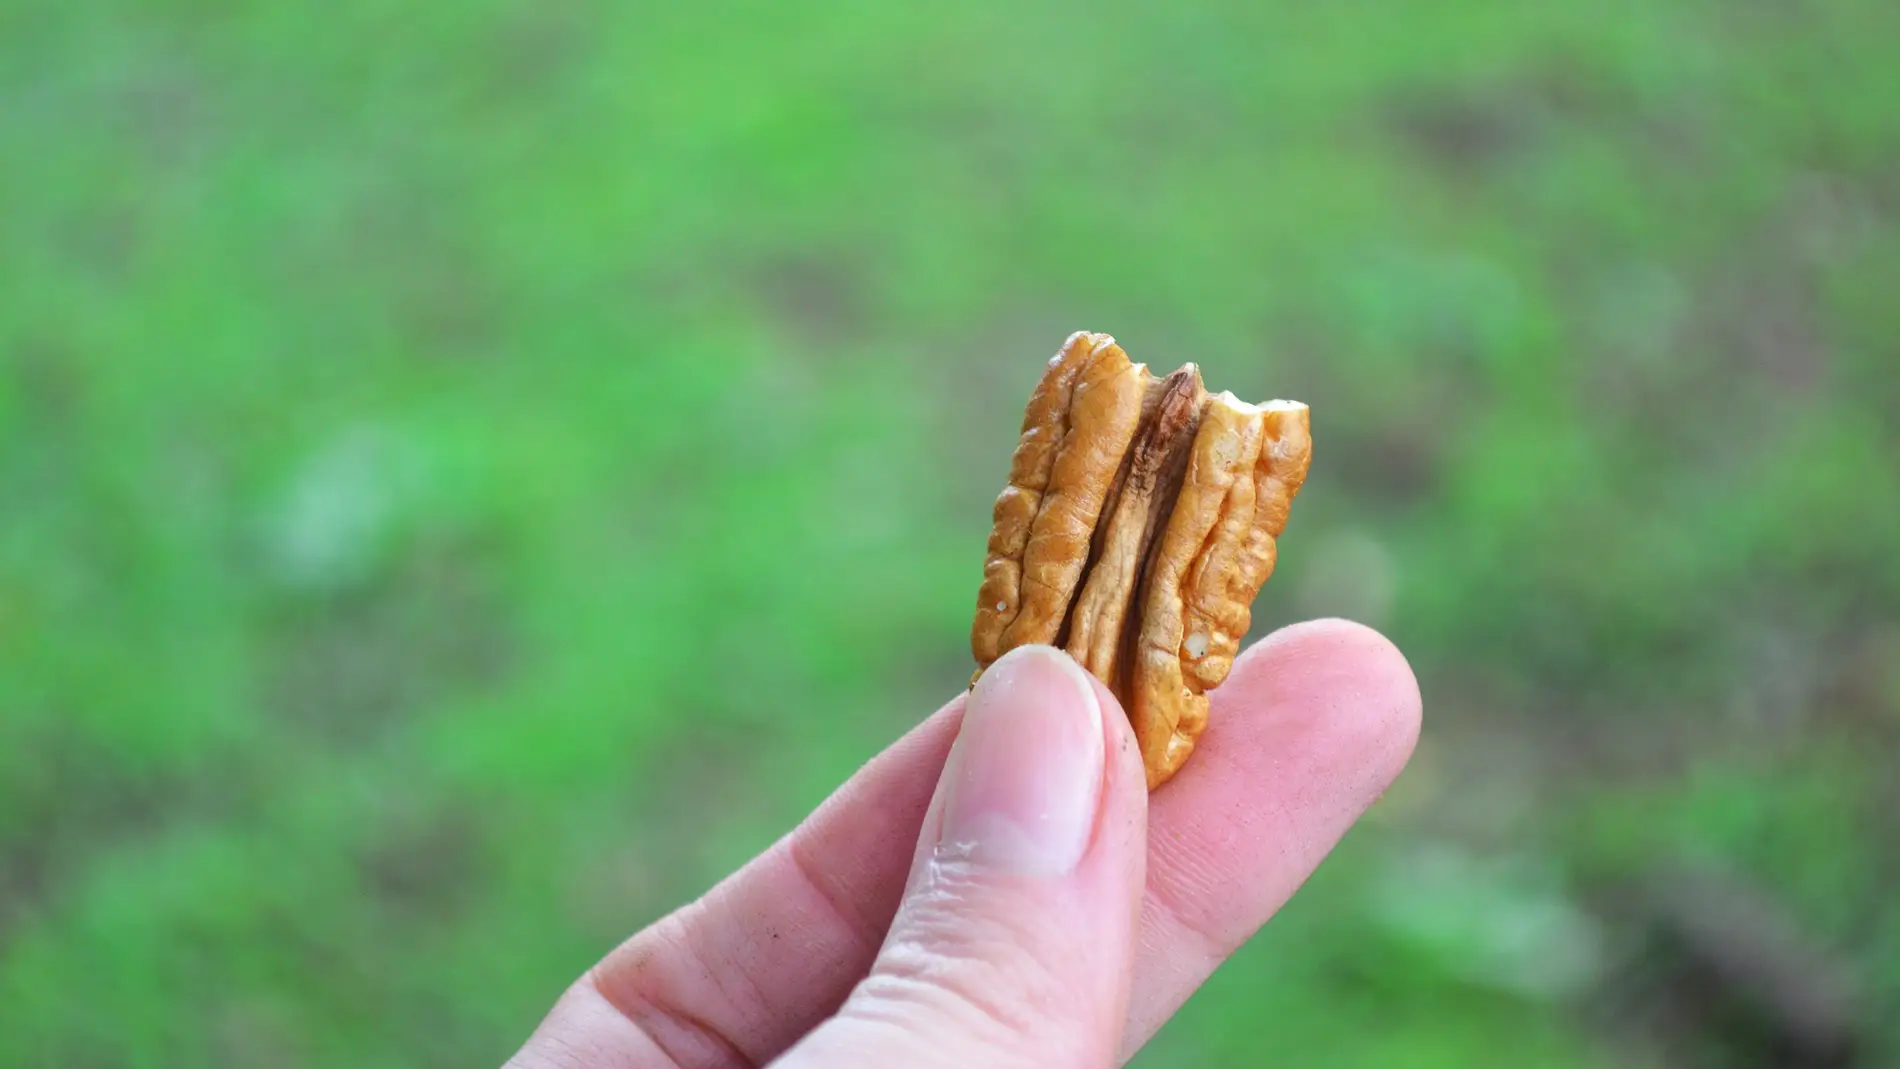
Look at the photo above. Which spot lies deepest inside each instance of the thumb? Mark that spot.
(1015, 939)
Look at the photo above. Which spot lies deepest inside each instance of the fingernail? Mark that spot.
(1025, 775)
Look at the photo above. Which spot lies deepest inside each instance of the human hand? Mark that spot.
(1017, 898)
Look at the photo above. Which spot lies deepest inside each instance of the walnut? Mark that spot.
(1138, 525)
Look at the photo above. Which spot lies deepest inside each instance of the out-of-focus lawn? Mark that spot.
(470, 473)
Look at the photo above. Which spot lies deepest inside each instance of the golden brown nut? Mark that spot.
(1138, 525)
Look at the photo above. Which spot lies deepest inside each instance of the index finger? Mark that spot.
(1314, 724)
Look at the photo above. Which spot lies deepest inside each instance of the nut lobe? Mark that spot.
(1077, 427)
(1193, 560)
(1142, 500)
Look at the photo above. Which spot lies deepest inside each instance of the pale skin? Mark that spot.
(1028, 905)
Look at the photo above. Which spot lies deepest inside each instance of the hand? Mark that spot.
(998, 889)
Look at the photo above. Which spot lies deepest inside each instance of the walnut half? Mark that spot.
(1138, 525)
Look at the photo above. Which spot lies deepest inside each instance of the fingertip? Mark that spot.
(1336, 677)
(1312, 726)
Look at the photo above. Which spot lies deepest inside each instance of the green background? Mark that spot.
(472, 473)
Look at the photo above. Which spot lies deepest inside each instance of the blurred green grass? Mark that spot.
(472, 473)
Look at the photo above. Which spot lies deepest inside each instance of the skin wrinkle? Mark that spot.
(750, 994)
(687, 1037)
(866, 933)
(669, 1032)
(712, 1049)
(558, 1053)
(894, 1000)
(942, 897)
(913, 969)
(618, 1044)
